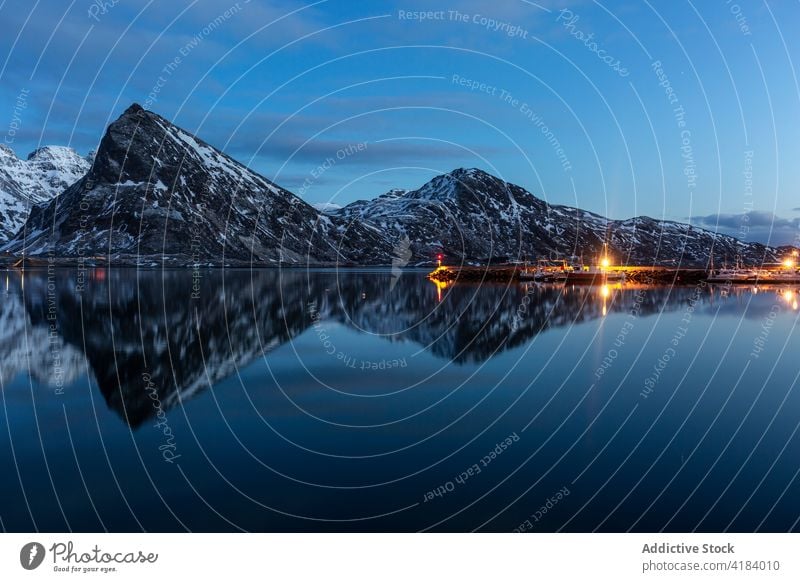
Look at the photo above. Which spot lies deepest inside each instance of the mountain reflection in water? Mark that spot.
(324, 400)
(186, 331)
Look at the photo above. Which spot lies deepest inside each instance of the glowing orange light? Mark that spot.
(439, 286)
(789, 263)
(605, 291)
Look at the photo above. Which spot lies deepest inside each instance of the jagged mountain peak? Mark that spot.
(52, 153)
(464, 182)
(473, 175)
(156, 192)
(49, 153)
(467, 173)
(133, 109)
(470, 185)
(143, 147)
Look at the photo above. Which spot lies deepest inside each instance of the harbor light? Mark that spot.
(605, 263)
(789, 263)
(790, 297)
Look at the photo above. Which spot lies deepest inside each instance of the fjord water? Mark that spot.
(344, 400)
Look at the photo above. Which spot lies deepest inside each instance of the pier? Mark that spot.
(507, 273)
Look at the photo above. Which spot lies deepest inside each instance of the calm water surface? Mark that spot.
(366, 401)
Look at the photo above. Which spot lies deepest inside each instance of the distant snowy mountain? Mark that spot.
(23, 183)
(156, 192)
(471, 215)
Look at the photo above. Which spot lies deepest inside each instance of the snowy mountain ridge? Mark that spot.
(470, 215)
(155, 194)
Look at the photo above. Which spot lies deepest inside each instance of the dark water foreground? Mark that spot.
(362, 401)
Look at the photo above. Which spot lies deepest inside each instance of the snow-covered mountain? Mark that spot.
(23, 183)
(156, 192)
(471, 215)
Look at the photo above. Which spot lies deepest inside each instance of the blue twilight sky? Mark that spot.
(673, 109)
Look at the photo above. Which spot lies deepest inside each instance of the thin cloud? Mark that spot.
(757, 226)
(388, 153)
